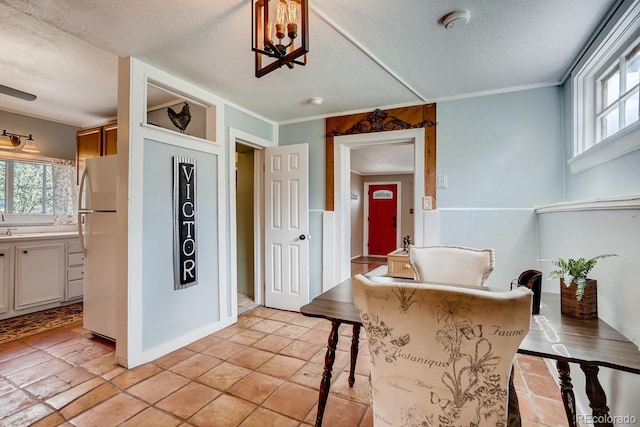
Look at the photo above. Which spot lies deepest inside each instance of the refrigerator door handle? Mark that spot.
(81, 210)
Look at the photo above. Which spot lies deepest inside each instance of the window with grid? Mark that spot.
(605, 90)
(26, 188)
(618, 105)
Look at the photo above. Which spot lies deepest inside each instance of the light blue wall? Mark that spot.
(312, 133)
(169, 313)
(53, 139)
(239, 120)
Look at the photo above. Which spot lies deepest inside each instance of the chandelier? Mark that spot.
(279, 33)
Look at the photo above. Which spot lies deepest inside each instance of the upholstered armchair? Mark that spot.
(456, 265)
(441, 355)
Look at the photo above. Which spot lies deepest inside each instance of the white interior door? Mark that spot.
(287, 227)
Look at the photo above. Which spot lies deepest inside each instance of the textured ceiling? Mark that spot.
(363, 54)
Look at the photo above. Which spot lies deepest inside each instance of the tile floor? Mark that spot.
(263, 371)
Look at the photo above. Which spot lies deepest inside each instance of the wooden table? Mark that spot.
(589, 343)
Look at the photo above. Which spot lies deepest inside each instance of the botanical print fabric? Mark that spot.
(65, 192)
(441, 355)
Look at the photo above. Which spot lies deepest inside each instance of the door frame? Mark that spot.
(365, 231)
(259, 144)
(342, 179)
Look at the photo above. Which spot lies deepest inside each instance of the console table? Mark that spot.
(589, 343)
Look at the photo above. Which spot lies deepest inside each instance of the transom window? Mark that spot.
(618, 100)
(26, 187)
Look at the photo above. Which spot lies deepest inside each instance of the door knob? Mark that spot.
(304, 237)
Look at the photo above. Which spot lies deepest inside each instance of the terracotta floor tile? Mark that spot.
(204, 343)
(359, 393)
(27, 416)
(58, 383)
(111, 412)
(156, 387)
(550, 412)
(247, 337)
(102, 364)
(527, 411)
(6, 387)
(151, 417)
(89, 352)
(40, 371)
(23, 361)
(342, 359)
(14, 349)
(339, 413)
(188, 400)
(255, 387)
(265, 418)
(52, 420)
(307, 322)
(195, 366)
(367, 420)
(268, 326)
(225, 411)
(532, 365)
(285, 316)
(541, 385)
(363, 364)
(281, 401)
(173, 358)
(248, 321)
(309, 375)
(229, 331)
(301, 350)
(47, 339)
(316, 336)
(250, 358)
(62, 399)
(281, 366)
(223, 376)
(135, 375)
(15, 401)
(263, 312)
(273, 343)
(291, 331)
(224, 349)
(69, 346)
(89, 400)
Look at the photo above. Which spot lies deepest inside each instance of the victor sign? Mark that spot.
(184, 223)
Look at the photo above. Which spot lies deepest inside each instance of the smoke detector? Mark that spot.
(459, 17)
(316, 100)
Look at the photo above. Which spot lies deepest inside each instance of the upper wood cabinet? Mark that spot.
(95, 142)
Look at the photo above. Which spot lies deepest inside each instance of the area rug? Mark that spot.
(41, 321)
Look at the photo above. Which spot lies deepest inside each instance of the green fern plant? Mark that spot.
(571, 270)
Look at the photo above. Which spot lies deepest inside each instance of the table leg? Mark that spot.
(566, 389)
(355, 341)
(596, 395)
(329, 358)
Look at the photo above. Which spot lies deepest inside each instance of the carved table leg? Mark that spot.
(355, 340)
(566, 389)
(329, 358)
(596, 395)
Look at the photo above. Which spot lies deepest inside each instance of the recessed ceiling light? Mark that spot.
(458, 17)
(316, 100)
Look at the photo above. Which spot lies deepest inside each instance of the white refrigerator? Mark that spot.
(97, 229)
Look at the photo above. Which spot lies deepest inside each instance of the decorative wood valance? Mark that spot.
(377, 121)
(419, 116)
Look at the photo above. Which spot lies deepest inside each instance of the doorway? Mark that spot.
(382, 218)
(245, 166)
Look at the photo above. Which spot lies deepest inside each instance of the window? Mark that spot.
(606, 87)
(26, 187)
(618, 101)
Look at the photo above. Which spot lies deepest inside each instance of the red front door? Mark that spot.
(383, 216)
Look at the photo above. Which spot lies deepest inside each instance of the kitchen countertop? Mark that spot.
(39, 235)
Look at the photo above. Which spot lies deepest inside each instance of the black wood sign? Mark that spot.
(184, 222)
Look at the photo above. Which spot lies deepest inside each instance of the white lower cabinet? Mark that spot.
(5, 278)
(40, 273)
(75, 271)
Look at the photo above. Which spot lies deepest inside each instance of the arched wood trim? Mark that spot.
(381, 121)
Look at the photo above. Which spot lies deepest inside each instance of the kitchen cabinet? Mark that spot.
(40, 273)
(5, 278)
(95, 142)
(75, 271)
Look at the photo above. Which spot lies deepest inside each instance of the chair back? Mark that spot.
(456, 265)
(440, 355)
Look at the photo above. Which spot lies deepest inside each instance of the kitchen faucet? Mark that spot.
(9, 230)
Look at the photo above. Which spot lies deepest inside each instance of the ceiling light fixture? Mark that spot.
(459, 17)
(280, 18)
(15, 142)
(316, 100)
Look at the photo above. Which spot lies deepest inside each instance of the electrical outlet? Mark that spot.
(442, 180)
(426, 203)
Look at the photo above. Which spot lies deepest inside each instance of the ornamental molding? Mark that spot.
(380, 121)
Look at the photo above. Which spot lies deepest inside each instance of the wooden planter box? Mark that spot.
(587, 307)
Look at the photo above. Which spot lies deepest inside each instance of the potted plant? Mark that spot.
(579, 295)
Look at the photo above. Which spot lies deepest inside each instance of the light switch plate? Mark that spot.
(426, 203)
